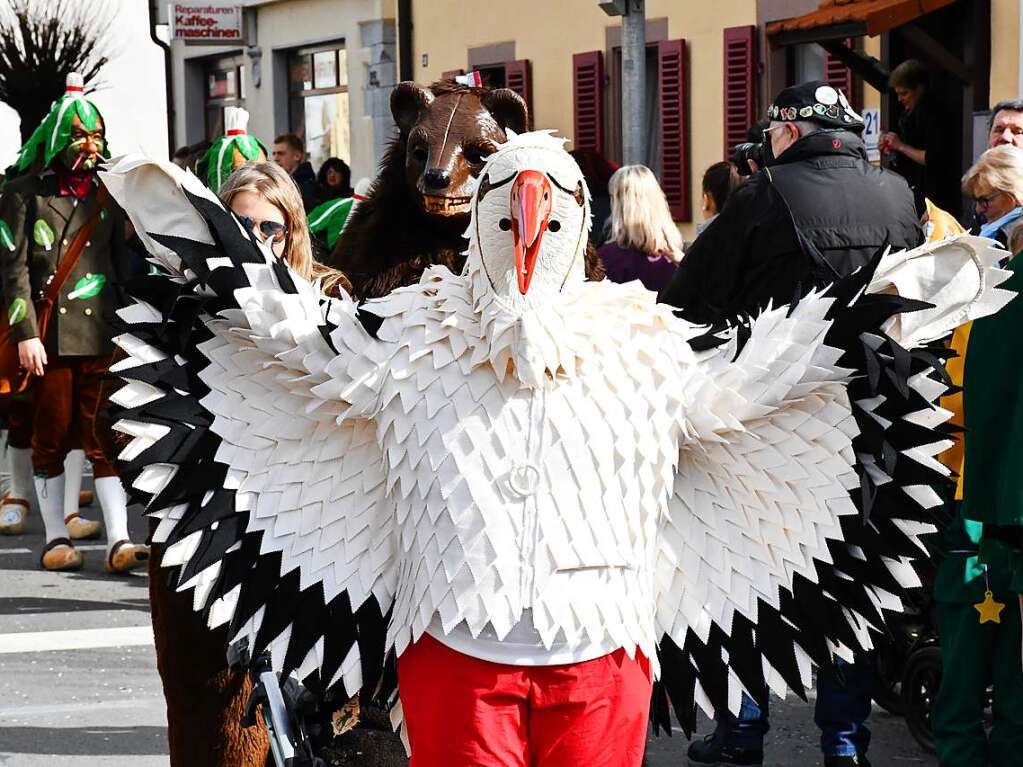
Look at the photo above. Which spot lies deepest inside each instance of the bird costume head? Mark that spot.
(73, 131)
(230, 151)
(530, 220)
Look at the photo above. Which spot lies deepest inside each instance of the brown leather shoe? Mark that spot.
(85, 498)
(13, 512)
(81, 529)
(60, 555)
(126, 556)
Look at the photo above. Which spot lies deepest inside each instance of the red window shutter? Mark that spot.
(518, 75)
(450, 74)
(673, 82)
(840, 76)
(588, 101)
(740, 107)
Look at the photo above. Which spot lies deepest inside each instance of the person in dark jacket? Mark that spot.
(919, 150)
(720, 180)
(816, 213)
(334, 180)
(644, 242)
(289, 153)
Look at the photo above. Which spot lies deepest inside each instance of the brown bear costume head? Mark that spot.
(418, 207)
(448, 131)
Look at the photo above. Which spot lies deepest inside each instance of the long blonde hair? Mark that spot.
(271, 182)
(640, 218)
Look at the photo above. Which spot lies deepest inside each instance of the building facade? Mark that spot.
(322, 69)
(712, 68)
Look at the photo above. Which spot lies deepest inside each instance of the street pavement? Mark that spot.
(78, 680)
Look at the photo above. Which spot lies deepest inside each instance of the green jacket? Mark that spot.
(993, 413)
(970, 565)
(37, 227)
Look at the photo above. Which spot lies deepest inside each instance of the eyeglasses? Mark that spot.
(265, 230)
(767, 132)
(983, 202)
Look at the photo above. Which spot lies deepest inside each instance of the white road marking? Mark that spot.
(46, 709)
(76, 639)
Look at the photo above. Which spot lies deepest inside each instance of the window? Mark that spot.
(225, 87)
(318, 101)
(666, 118)
(588, 100)
(516, 75)
(807, 62)
(652, 118)
(740, 97)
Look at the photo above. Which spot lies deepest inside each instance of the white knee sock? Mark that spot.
(50, 492)
(20, 461)
(73, 465)
(114, 502)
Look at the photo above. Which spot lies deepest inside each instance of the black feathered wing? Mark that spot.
(245, 397)
(807, 476)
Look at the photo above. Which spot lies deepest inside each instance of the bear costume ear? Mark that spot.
(408, 102)
(508, 108)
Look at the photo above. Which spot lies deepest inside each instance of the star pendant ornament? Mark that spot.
(989, 609)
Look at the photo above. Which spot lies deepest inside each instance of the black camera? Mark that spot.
(758, 153)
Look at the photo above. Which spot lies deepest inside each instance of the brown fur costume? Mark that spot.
(205, 699)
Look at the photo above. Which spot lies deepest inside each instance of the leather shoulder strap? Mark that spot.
(74, 251)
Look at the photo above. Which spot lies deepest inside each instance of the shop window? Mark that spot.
(318, 101)
(225, 87)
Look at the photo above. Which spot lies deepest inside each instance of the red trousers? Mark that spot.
(464, 712)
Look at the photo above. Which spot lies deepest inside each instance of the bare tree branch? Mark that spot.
(41, 41)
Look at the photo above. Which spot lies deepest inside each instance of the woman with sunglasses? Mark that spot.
(268, 203)
(995, 184)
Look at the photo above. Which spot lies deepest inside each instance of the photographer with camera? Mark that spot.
(816, 210)
(813, 210)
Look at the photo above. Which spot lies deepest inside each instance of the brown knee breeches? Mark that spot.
(66, 403)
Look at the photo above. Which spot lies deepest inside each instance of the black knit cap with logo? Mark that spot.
(815, 102)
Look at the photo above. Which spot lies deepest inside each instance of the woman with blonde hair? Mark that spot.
(995, 184)
(269, 204)
(644, 242)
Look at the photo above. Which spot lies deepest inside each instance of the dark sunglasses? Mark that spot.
(265, 230)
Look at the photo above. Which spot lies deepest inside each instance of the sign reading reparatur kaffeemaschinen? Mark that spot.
(206, 23)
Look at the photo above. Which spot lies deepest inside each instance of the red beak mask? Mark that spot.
(531, 203)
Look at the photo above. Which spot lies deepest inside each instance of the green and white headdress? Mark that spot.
(54, 133)
(229, 151)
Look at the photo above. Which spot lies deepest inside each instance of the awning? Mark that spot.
(840, 19)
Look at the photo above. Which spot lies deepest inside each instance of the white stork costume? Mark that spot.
(517, 452)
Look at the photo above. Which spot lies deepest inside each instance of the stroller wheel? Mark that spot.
(919, 689)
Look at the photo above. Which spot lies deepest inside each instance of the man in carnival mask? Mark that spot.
(62, 256)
